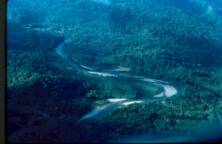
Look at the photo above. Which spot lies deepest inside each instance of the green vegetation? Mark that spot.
(164, 41)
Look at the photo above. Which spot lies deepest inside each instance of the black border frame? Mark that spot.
(3, 77)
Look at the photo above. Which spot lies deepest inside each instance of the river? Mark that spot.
(114, 103)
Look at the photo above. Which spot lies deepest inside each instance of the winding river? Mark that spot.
(166, 91)
(114, 103)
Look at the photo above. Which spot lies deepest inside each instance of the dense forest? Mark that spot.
(179, 42)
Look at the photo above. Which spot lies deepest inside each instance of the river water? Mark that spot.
(114, 103)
